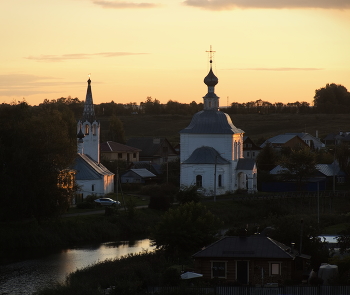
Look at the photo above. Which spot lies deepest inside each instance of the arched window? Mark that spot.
(199, 181)
(87, 129)
(93, 129)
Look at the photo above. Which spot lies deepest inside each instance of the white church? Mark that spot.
(211, 150)
(91, 176)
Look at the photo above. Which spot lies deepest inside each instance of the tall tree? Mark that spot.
(36, 145)
(332, 98)
(116, 130)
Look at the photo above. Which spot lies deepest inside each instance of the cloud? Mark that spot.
(63, 57)
(25, 85)
(268, 4)
(124, 5)
(278, 69)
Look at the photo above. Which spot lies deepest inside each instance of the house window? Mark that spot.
(134, 155)
(253, 154)
(120, 155)
(218, 269)
(220, 180)
(93, 187)
(199, 181)
(247, 154)
(275, 268)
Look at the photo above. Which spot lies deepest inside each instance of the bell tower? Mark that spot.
(88, 129)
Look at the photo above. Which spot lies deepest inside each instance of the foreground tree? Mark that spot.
(185, 230)
(36, 146)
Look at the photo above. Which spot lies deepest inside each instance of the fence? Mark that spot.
(287, 290)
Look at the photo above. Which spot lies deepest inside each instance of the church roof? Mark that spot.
(211, 122)
(245, 164)
(88, 169)
(205, 155)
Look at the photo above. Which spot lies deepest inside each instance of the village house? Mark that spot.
(114, 151)
(285, 141)
(250, 149)
(156, 150)
(253, 260)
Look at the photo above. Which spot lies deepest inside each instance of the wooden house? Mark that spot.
(114, 151)
(253, 260)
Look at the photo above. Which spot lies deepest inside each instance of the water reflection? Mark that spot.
(27, 276)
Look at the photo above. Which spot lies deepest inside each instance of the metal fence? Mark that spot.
(287, 290)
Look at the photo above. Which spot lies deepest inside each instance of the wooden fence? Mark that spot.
(287, 290)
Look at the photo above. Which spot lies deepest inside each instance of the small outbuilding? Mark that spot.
(137, 176)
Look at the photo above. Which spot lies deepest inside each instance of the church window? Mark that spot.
(199, 181)
(220, 180)
(210, 104)
(86, 129)
(92, 187)
(247, 154)
(253, 154)
(93, 129)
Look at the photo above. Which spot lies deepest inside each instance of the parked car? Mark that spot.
(107, 202)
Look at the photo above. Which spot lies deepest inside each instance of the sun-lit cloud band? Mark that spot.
(267, 4)
(63, 57)
(124, 5)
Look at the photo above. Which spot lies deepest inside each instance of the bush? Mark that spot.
(159, 203)
(188, 195)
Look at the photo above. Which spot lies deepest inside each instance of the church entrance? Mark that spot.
(242, 181)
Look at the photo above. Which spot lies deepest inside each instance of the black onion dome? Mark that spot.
(80, 134)
(211, 79)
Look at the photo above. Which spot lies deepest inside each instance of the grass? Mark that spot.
(255, 126)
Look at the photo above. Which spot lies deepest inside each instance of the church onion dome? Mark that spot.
(211, 122)
(80, 134)
(211, 79)
(205, 155)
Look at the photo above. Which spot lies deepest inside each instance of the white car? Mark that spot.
(107, 202)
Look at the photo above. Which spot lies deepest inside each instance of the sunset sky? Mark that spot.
(274, 50)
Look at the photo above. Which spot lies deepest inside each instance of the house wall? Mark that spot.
(258, 270)
(115, 156)
(102, 186)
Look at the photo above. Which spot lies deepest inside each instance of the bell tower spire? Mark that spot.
(211, 100)
(89, 112)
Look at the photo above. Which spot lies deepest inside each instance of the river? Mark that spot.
(29, 275)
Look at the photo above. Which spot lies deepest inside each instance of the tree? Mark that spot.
(116, 130)
(332, 99)
(188, 194)
(186, 229)
(300, 163)
(36, 146)
(267, 158)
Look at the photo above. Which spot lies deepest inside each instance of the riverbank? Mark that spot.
(73, 230)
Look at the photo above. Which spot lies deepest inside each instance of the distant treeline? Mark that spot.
(331, 99)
